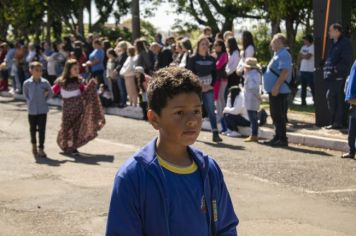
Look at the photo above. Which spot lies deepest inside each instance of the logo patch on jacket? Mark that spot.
(215, 211)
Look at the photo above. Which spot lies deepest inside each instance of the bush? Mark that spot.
(262, 39)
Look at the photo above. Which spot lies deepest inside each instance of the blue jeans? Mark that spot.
(252, 116)
(306, 79)
(352, 130)
(208, 103)
(232, 121)
(122, 91)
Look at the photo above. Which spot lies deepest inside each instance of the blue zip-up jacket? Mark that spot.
(339, 60)
(350, 89)
(140, 200)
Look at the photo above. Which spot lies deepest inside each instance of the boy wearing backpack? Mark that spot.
(169, 187)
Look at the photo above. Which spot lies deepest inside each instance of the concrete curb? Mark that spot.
(265, 133)
(302, 139)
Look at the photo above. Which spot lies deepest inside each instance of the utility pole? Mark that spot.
(135, 12)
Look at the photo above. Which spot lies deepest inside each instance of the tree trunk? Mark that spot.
(275, 25)
(135, 12)
(57, 29)
(308, 27)
(89, 13)
(291, 32)
(228, 25)
(80, 23)
(48, 27)
(3, 35)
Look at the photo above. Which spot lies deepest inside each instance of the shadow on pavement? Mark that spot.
(91, 159)
(307, 151)
(48, 161)
(222, 145)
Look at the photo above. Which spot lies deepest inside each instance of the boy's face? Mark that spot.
(36, 72)
(180, 120)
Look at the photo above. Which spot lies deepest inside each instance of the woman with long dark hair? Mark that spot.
(234, 59)
(186, 51)
(142, 57)
(235, 113)
(248, 50)
(221, 82)
(203, 65)
(83, 115)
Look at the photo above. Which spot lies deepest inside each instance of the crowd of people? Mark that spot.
(232, 79)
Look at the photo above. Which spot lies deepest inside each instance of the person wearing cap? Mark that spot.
(252, 97)
(306, 59)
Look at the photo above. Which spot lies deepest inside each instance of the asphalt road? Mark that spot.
(293, 191)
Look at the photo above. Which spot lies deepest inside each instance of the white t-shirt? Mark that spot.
(249, 52)
(307, 65)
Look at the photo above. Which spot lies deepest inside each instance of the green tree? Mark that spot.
(219, 15)
(294, 13)
(25, 17)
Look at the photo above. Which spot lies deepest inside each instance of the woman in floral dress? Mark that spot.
(83, 115)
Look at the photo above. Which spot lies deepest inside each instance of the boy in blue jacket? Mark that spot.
(350, 97)
(168, 187)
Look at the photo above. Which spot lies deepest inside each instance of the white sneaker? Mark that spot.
(226, 133)
(234, 134)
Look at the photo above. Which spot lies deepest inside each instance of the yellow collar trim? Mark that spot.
(176, 169)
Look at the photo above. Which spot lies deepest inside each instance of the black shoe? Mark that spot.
(280, 143)
(271, 141)
(348, 155)
(216, 137)
(75, 153)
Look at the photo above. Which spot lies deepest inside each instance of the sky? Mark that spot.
(163, 18)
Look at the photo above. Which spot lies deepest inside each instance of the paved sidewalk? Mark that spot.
(299, 130)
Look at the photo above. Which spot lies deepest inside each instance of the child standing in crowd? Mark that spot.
(110, 67)
(248, 50)
(37, 90)
(252, 95)
(128, 72)
(168, 184)
(105, 95)
(142, 79)
(235, 113)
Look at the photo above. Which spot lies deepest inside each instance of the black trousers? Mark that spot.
(352, 129)
(38, 123)
(278, 108)
(99, 75)
(335, 99)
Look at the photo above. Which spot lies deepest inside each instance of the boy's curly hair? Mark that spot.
(169, 82)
